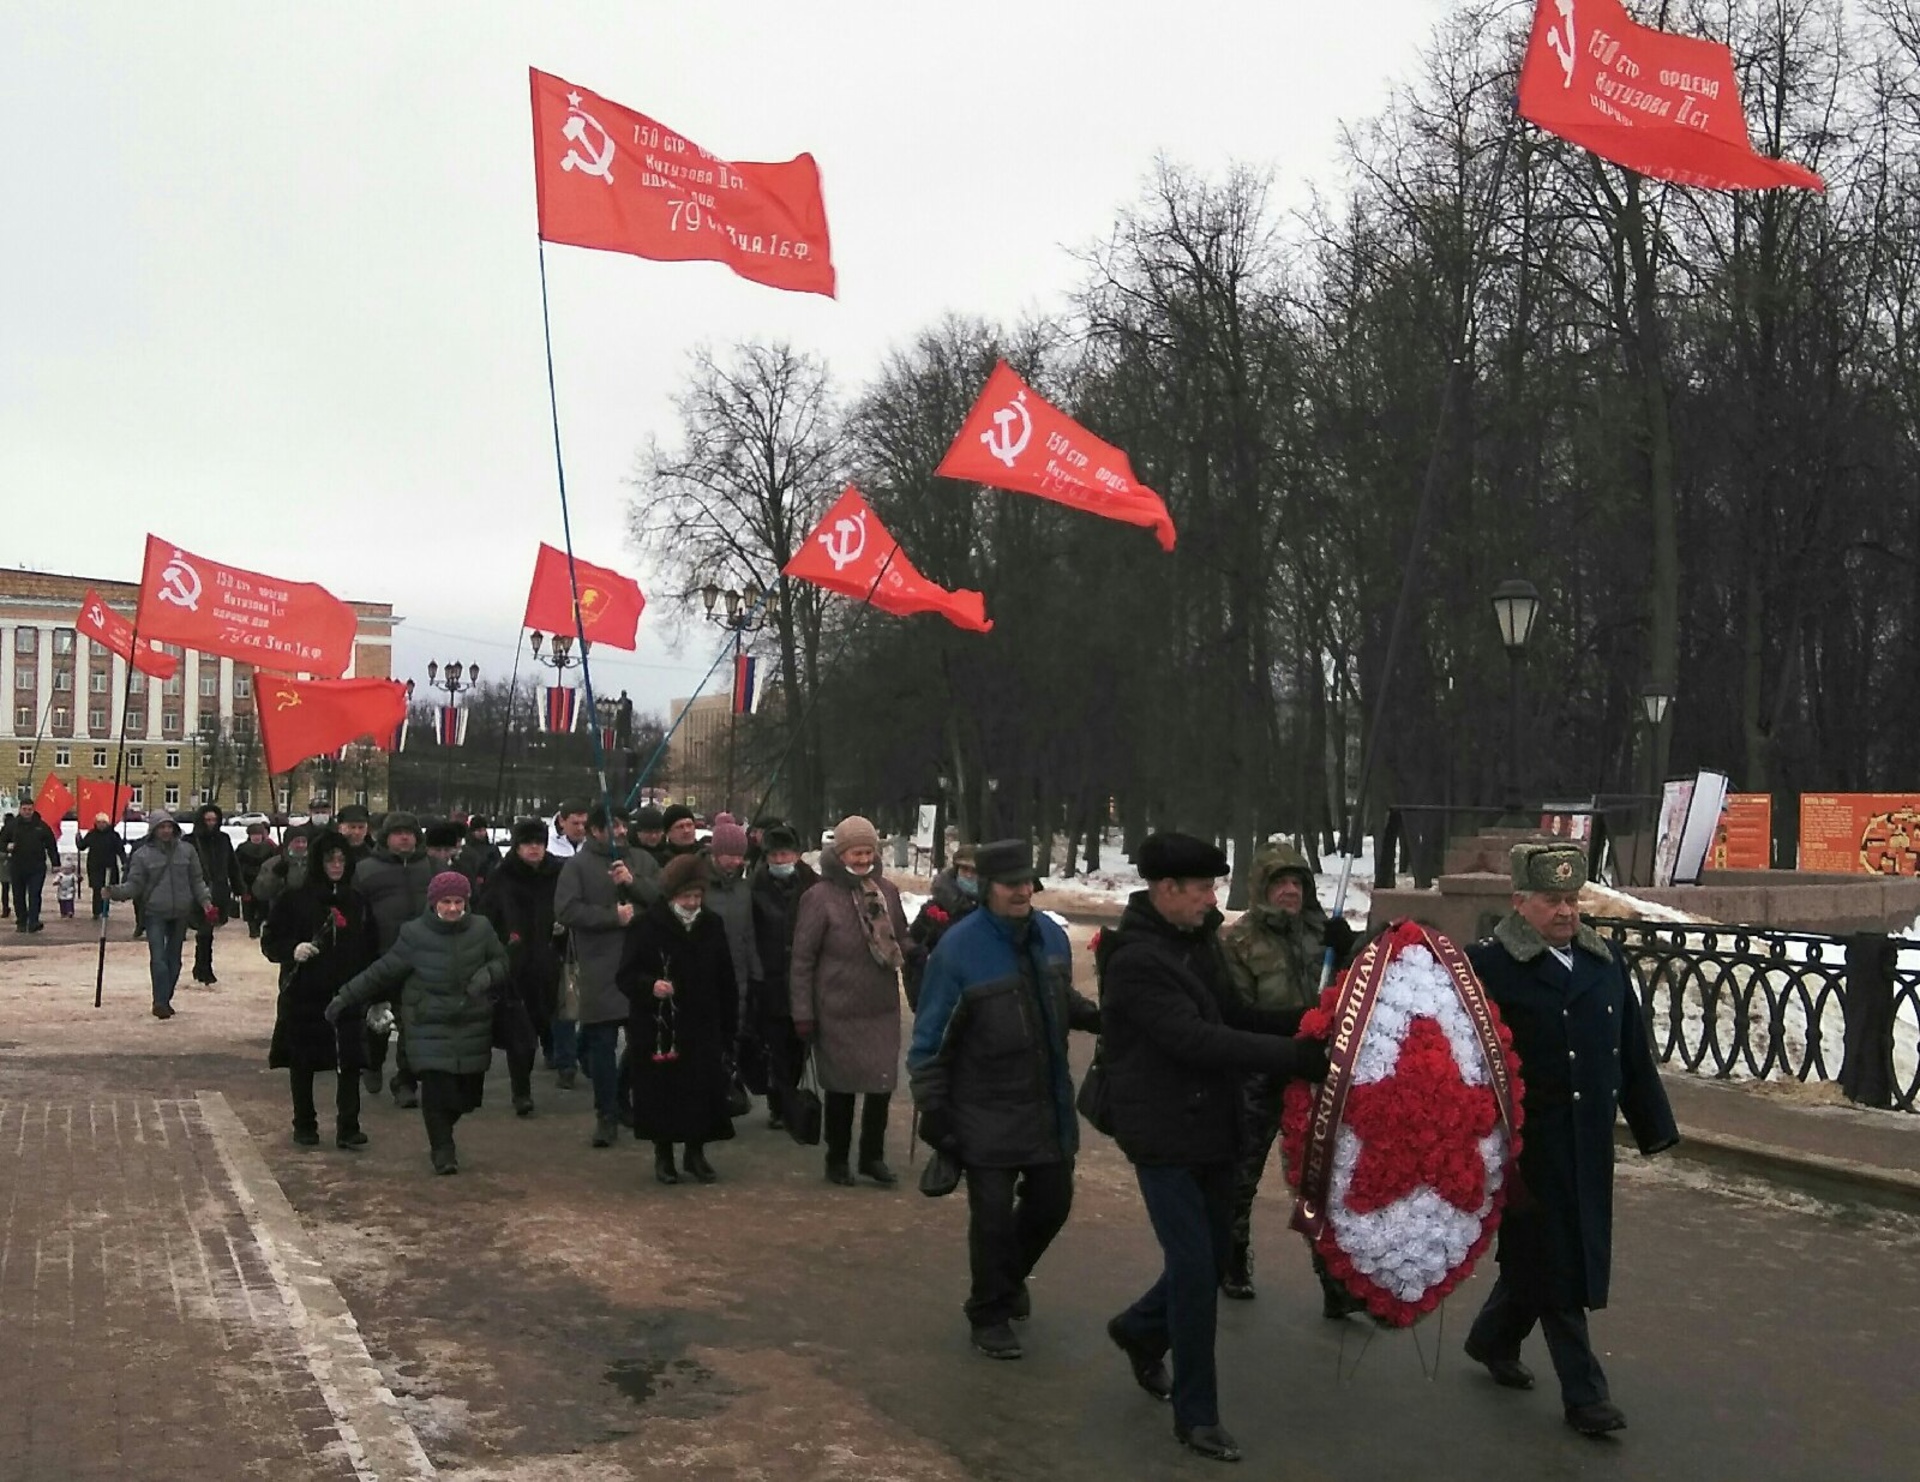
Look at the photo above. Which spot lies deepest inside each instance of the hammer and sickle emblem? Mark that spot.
(1000, 439)
(590, 159)
(180, 584)
(1563, 49)
(846, 542)
(285, 699)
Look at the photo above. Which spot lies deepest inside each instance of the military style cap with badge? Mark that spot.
(1556, 868)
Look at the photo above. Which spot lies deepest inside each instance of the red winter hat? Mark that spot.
(448, 883)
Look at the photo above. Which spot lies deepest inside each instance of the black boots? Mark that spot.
(663, 1168)
(1238, 1282)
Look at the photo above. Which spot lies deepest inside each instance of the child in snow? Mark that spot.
(68, 886)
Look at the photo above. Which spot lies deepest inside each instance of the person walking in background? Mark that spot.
(956, 892)
(354, 824)
(678, 975)
(222, 871)
(165, 879)
(251, 857)
(68, 887)
(6, 874)
(683, 832)
(479, 856)
(394, 884)
(106, 855)
(35, 850)
(602, 888)
(729, 896)
(844, 985)
(444, 968)
(1273, 955)
(519, 901)
(321, 933)
(778, 883)
(994, 1088)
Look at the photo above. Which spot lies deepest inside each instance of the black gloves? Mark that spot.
(1306, 1059)
(1339, 937)
(936, 1129)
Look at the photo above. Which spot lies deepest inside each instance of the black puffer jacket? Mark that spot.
(106, 856)
(395, 889)
(1175, 1044)
(217, 860)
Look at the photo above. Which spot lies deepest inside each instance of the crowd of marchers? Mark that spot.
(682, 977)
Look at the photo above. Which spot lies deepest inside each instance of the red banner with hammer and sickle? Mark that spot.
(300, 718)
(102, 624)
(850, 552)
(273, 624)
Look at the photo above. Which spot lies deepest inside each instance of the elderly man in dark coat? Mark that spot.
(1586, 1058)
(991, 1079)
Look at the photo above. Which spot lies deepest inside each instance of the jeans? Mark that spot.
(1012, 1216)
(346, 1102)
(166, 936)
(599, 1052)
(564, 1041)
(26, 898)
(445, 1097)
(1191, 1209)
(1508, 1317)
(873, 1126)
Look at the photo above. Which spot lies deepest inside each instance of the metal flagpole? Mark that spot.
(660, 749)
(119, 774)
(506, 733)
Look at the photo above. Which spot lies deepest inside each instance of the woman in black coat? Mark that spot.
(518, 900)
(106, 856)
(677, 973)
(322, 934)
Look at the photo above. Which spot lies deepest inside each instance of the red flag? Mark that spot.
(97, 797)
(850, 552)
(100, 622)
(611, 178)
(610, 604)
(288, 625)
(1013, 439)
(1656, 103)
(53, 800)
(300, 718)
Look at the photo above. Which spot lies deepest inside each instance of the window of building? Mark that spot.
(26, 640)
(63, 680)
(63, 639)
(97, 681)
(63, 756)
(23, 677)
(137, 724)
(175, 685)
(62, 718)
(138, 684)
(136, 758)
(98, 649)
(99, 758)
(26, 756)
(173, 795)
(173, 759)
(209, 686)
(243, 686)
(23, 717)
(97, 721)
(170, 723)
(139, 798)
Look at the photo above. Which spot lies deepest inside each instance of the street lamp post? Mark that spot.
(451, 680)
(1515, 606)
(746, 612)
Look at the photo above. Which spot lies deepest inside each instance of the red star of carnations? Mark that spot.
(1420, 1126)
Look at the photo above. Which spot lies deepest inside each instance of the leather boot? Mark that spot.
(1238, 1282)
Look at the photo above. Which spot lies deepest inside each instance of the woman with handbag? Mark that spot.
(678, 976)
(844, 983)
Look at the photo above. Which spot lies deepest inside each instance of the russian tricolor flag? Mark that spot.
(746, 675)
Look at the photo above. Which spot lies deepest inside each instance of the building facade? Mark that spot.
(189, 740)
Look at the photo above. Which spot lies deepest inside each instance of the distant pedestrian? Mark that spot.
(321, 933)
(683, 831)
(848, 945)
(68, 887)
(956, 892)
(35, 849)
(678, 977)
(779, 882)
(1587, 1059)
(519, 901)
(444, 968)
(166, 881)
(394, 884)
(106, 856)
(729, 896)
(6, 874)
(222, 871)
(354, 824)
(649, 833)
(250, 858)
(479, 855)
(569, 829)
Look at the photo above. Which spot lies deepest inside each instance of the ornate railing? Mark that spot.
(1740, 1002)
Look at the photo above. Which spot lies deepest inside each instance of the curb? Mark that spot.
(1839, 1179)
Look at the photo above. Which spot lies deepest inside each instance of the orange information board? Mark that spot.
(1860, 833)
(1744, 839)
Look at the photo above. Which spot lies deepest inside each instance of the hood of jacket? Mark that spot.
(948, 895)
(516, 868)
(1268, 866)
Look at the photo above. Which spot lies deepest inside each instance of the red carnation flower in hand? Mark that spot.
(339, 919)
(936, 913)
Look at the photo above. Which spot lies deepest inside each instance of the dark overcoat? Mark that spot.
(1585, 1058)
(302, 1037)
(519, 901)
(683, 1098)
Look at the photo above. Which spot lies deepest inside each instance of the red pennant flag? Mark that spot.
(1659, 104)
(300, 718)
(1014, 440)
(101, 623)
(850, 552)
(610, 178)
(610, 604)
(53, 800)
(287, 625)
(101, 796)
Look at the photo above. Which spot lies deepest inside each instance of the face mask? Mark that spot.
(780, 871)
(687, 914)
(967, 887)
(860, 873)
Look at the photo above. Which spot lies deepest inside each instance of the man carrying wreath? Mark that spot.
(1586, 1058)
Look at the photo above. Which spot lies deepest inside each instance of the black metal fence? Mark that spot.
(1740, 1001)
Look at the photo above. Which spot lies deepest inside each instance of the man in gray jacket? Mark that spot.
(166, 880)
(601, 889)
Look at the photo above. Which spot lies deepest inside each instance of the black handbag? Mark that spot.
(803, 1108)
(1095, 1101)
(941, 1176)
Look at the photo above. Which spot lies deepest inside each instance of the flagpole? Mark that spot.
(119, 774)
(1422, 521)
(566, 530)
(506, 732)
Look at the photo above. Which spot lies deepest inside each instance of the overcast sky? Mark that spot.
(269, 276)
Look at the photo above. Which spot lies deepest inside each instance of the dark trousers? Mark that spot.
(600, 1057)
(346, 1102)
(165, 938)
(6, 894)
(203, 954)
(27, 890)
(1012, 1216)
(513, 1032)
(446, 1097)
(255, 914)
(873, 1126)
(1508, 1317)
(99, 900)
(1259, 1124)
(1191, 1210)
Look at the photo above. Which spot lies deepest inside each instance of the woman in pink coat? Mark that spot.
(849, 939)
